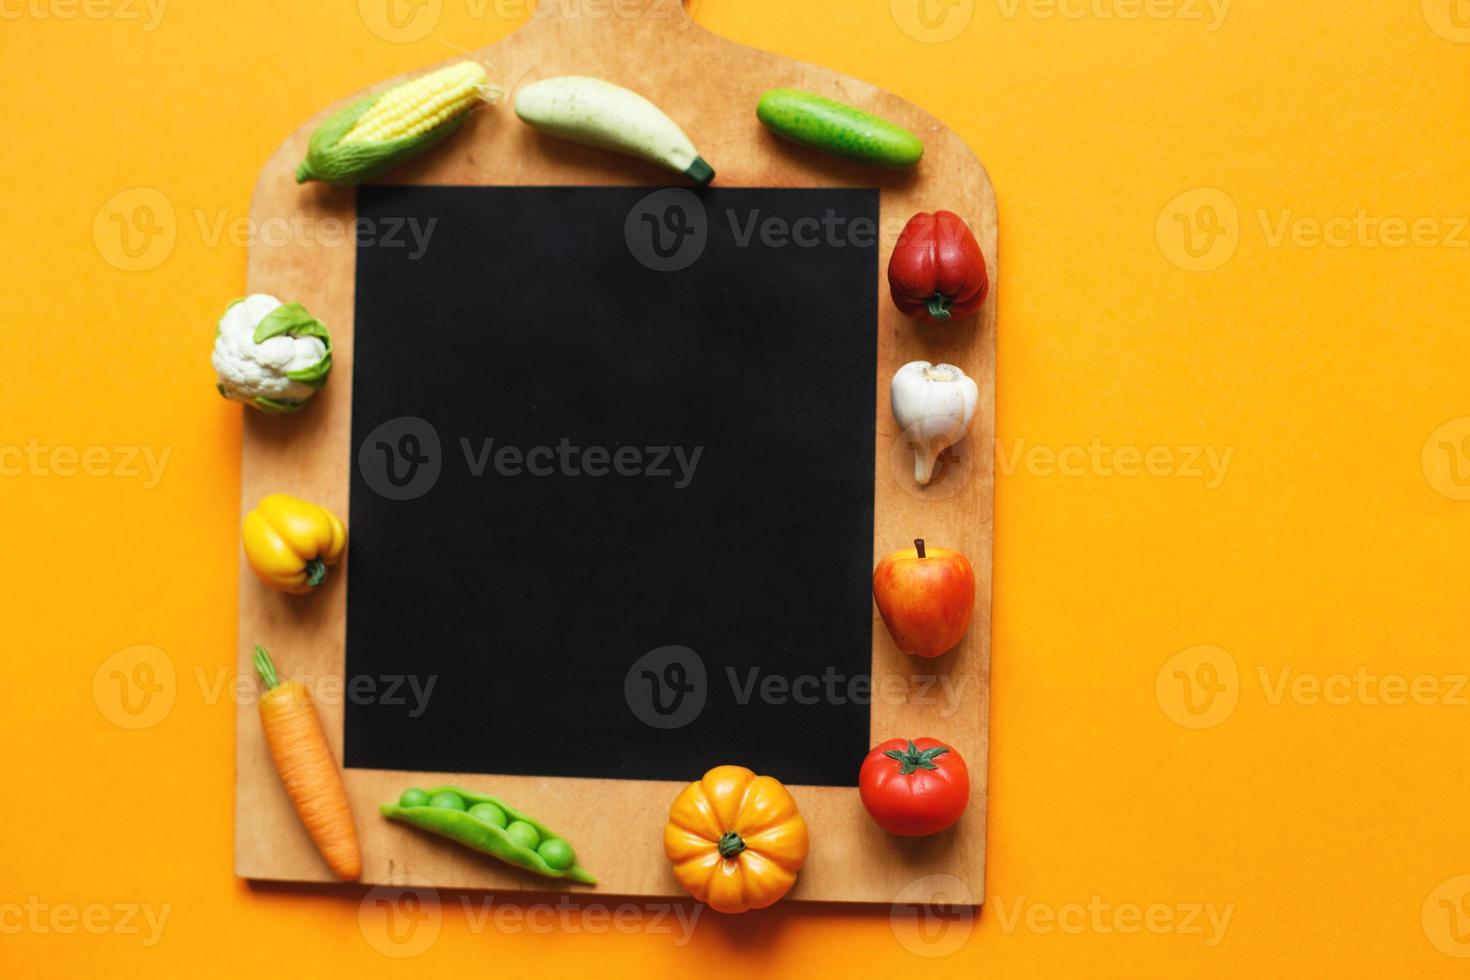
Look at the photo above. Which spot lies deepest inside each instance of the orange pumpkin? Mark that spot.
(736, 839)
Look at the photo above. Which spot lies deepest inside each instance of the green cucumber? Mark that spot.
(598, 113)
(837, 128)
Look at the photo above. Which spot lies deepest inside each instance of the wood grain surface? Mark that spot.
(710, 87)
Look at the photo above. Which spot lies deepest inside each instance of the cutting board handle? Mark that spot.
(611, 17)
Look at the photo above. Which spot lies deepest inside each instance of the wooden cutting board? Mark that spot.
(710, 87)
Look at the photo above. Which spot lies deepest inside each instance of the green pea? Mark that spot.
(523, 833)
(492, 828)
(413, 797)
(447, 800)
(488, 813)
(557, 853)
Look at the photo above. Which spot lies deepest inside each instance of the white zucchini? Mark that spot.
(598, 113)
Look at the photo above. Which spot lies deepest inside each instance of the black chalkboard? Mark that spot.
(663, 559)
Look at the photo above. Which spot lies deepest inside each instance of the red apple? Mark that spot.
(925, 596)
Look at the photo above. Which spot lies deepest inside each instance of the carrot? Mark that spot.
(311, 776)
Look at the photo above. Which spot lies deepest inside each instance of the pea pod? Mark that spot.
(460, 824)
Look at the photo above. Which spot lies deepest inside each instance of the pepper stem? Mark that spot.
(316, 571)
(939, 305)
(730, 844)
(919, 547)
(266, 668)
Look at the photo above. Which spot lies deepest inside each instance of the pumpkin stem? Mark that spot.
(730, 844)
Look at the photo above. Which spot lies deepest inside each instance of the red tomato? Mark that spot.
(914, 788)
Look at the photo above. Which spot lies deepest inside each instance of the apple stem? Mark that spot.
(919, 546)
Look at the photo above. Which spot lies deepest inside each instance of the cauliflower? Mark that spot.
(270, 354)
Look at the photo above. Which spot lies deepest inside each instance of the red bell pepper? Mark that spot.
(937, 271)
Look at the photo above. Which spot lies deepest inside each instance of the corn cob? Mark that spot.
(376, 134)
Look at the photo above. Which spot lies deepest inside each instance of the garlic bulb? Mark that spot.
(934, 405)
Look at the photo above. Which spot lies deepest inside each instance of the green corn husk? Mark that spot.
(328, 159)
(436, 103)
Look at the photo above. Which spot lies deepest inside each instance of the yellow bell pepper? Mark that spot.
(736, 839)
(290, 542)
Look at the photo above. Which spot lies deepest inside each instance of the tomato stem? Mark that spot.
(913, 758)
(730, 844)
(939, 305)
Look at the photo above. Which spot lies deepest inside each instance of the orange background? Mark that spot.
(1330, 826)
